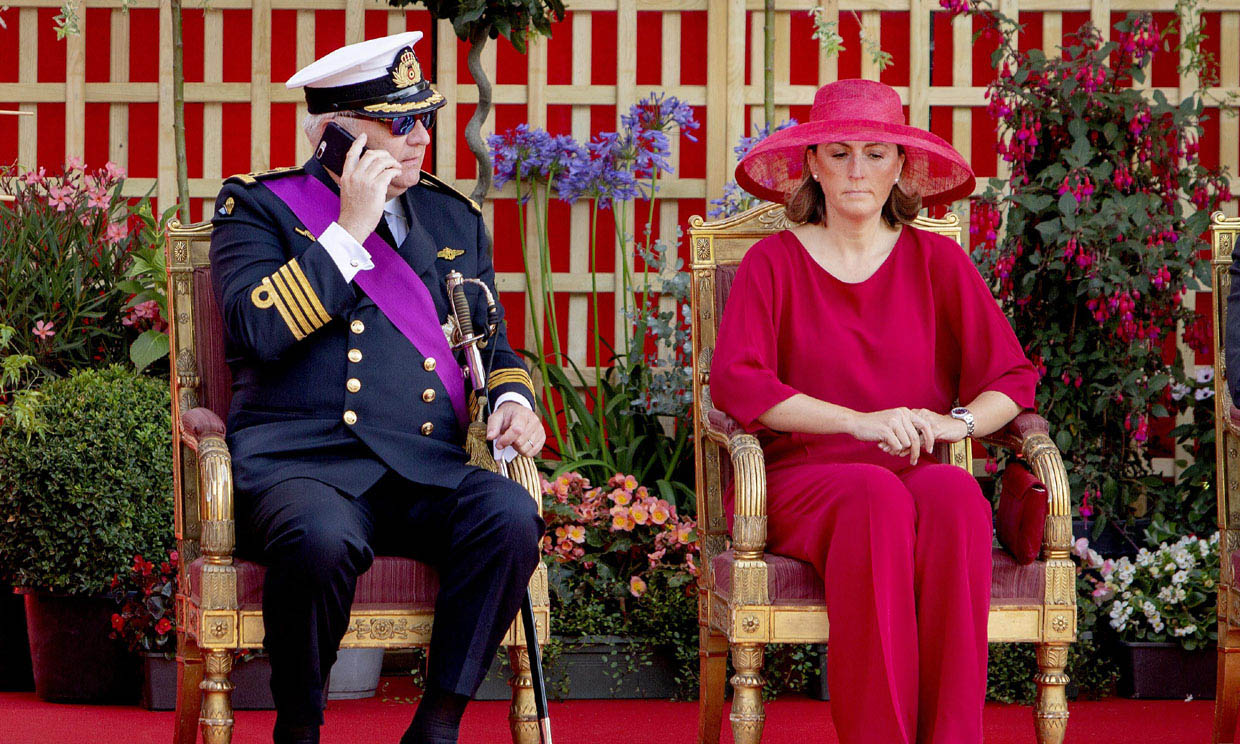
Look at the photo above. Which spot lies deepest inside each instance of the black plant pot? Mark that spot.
(1166, 671)
(251, 679)
(15, 674)
(594, 667)
(72, 657)
(1116, 540)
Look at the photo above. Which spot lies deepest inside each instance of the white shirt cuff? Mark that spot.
(348, 254)
(509, 453)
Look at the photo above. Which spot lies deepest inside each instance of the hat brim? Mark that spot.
(773, 169)
(419, 102)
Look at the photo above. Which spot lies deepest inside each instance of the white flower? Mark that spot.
(1205, 373)
(1179, 390)
(1203, 393)
(1093, 559)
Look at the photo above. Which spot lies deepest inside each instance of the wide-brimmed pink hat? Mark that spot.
(856, 110)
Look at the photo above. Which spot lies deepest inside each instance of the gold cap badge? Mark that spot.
(406, 71)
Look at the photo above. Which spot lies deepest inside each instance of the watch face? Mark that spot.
(960, 411)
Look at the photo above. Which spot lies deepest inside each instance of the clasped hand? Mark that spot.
(906, 432)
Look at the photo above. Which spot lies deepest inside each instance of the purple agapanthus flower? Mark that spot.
(530, 156)
(601, 170)
(759, 133)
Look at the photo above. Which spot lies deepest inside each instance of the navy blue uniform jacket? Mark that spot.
(324, 385)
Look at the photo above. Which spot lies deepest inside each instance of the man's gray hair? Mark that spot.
(314, 124)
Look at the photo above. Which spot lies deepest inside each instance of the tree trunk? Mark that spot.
(473, 130)
(178, 113)
(768, 60)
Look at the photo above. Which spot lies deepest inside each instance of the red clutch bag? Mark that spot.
(1023, 507)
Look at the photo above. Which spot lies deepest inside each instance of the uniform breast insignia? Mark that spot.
(229, 203)
(304, 231)
(449, 329)
(449, 254)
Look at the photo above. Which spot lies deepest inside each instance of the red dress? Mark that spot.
(907, 575)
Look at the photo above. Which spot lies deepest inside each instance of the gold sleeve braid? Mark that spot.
(289, 292)
(510, 375)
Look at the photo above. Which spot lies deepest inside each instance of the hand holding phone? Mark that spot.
(364, 177)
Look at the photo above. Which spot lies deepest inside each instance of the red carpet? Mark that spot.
(382, 719)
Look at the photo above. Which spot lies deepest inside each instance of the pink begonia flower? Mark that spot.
(630, 483)
(693, 569)
(1080, 547)
(640, 514)
(637, 586)
(576, 533)
(1107, 568)
(660, 512)
(656, 556)
(621, 497)
(43, 329)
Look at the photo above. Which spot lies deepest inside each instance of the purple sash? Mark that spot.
(392, 283)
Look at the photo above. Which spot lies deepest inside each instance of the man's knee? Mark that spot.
(511, 516)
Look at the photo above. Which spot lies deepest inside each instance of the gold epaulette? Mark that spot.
(431, 182)
(249, 179)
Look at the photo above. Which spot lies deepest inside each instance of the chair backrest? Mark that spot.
(716, 250)
(200, 377)
(1224, 235)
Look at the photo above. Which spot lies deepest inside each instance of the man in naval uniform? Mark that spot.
(347, 421)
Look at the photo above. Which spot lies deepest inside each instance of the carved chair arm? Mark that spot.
(1029, 434)
(198, 424)
(203, 432)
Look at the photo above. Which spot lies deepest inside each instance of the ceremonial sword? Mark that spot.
(478, 379)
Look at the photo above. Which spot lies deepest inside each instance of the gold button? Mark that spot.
(350, 418)
(427, 428)
(357, 326)
(429, 364)
(355, 355)
(428, 396)
(353, 384)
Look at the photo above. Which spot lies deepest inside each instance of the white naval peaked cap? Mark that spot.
(378, 78)
(353, 63)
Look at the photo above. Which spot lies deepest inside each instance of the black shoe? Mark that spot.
(295, 735)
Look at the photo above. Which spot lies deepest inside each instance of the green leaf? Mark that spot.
(147, 348)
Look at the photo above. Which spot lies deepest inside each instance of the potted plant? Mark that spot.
(145, 620)
(1162, 607)
(85, 484)
(1092, 242)
(622, 570)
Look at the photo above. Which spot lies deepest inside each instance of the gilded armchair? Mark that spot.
(1225, 233)
(219, 601)
(749, 598)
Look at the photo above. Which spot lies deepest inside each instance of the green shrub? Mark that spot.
(94, 488)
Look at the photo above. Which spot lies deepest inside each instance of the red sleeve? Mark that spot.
(744, 377)
(991, 357)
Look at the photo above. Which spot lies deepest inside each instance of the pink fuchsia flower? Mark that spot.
(637, 586)
(1086, 510)
(44, 329)
(992, 467)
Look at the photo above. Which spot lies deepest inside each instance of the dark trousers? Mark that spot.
(482, 538)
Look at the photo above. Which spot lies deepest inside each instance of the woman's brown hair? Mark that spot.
(807, 204)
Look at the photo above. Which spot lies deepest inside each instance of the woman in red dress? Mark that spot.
(851, 345)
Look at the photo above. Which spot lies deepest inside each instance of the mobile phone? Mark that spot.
(333, 146)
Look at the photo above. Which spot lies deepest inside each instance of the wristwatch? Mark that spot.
(966, 416)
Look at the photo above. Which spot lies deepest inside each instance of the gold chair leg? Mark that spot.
(1050, 711)
(1227, 695)
(217, 716)
(522, 714)
(713, 659)
(747, 714)
(189, 690)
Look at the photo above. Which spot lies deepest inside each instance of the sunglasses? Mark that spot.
(402, 125)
